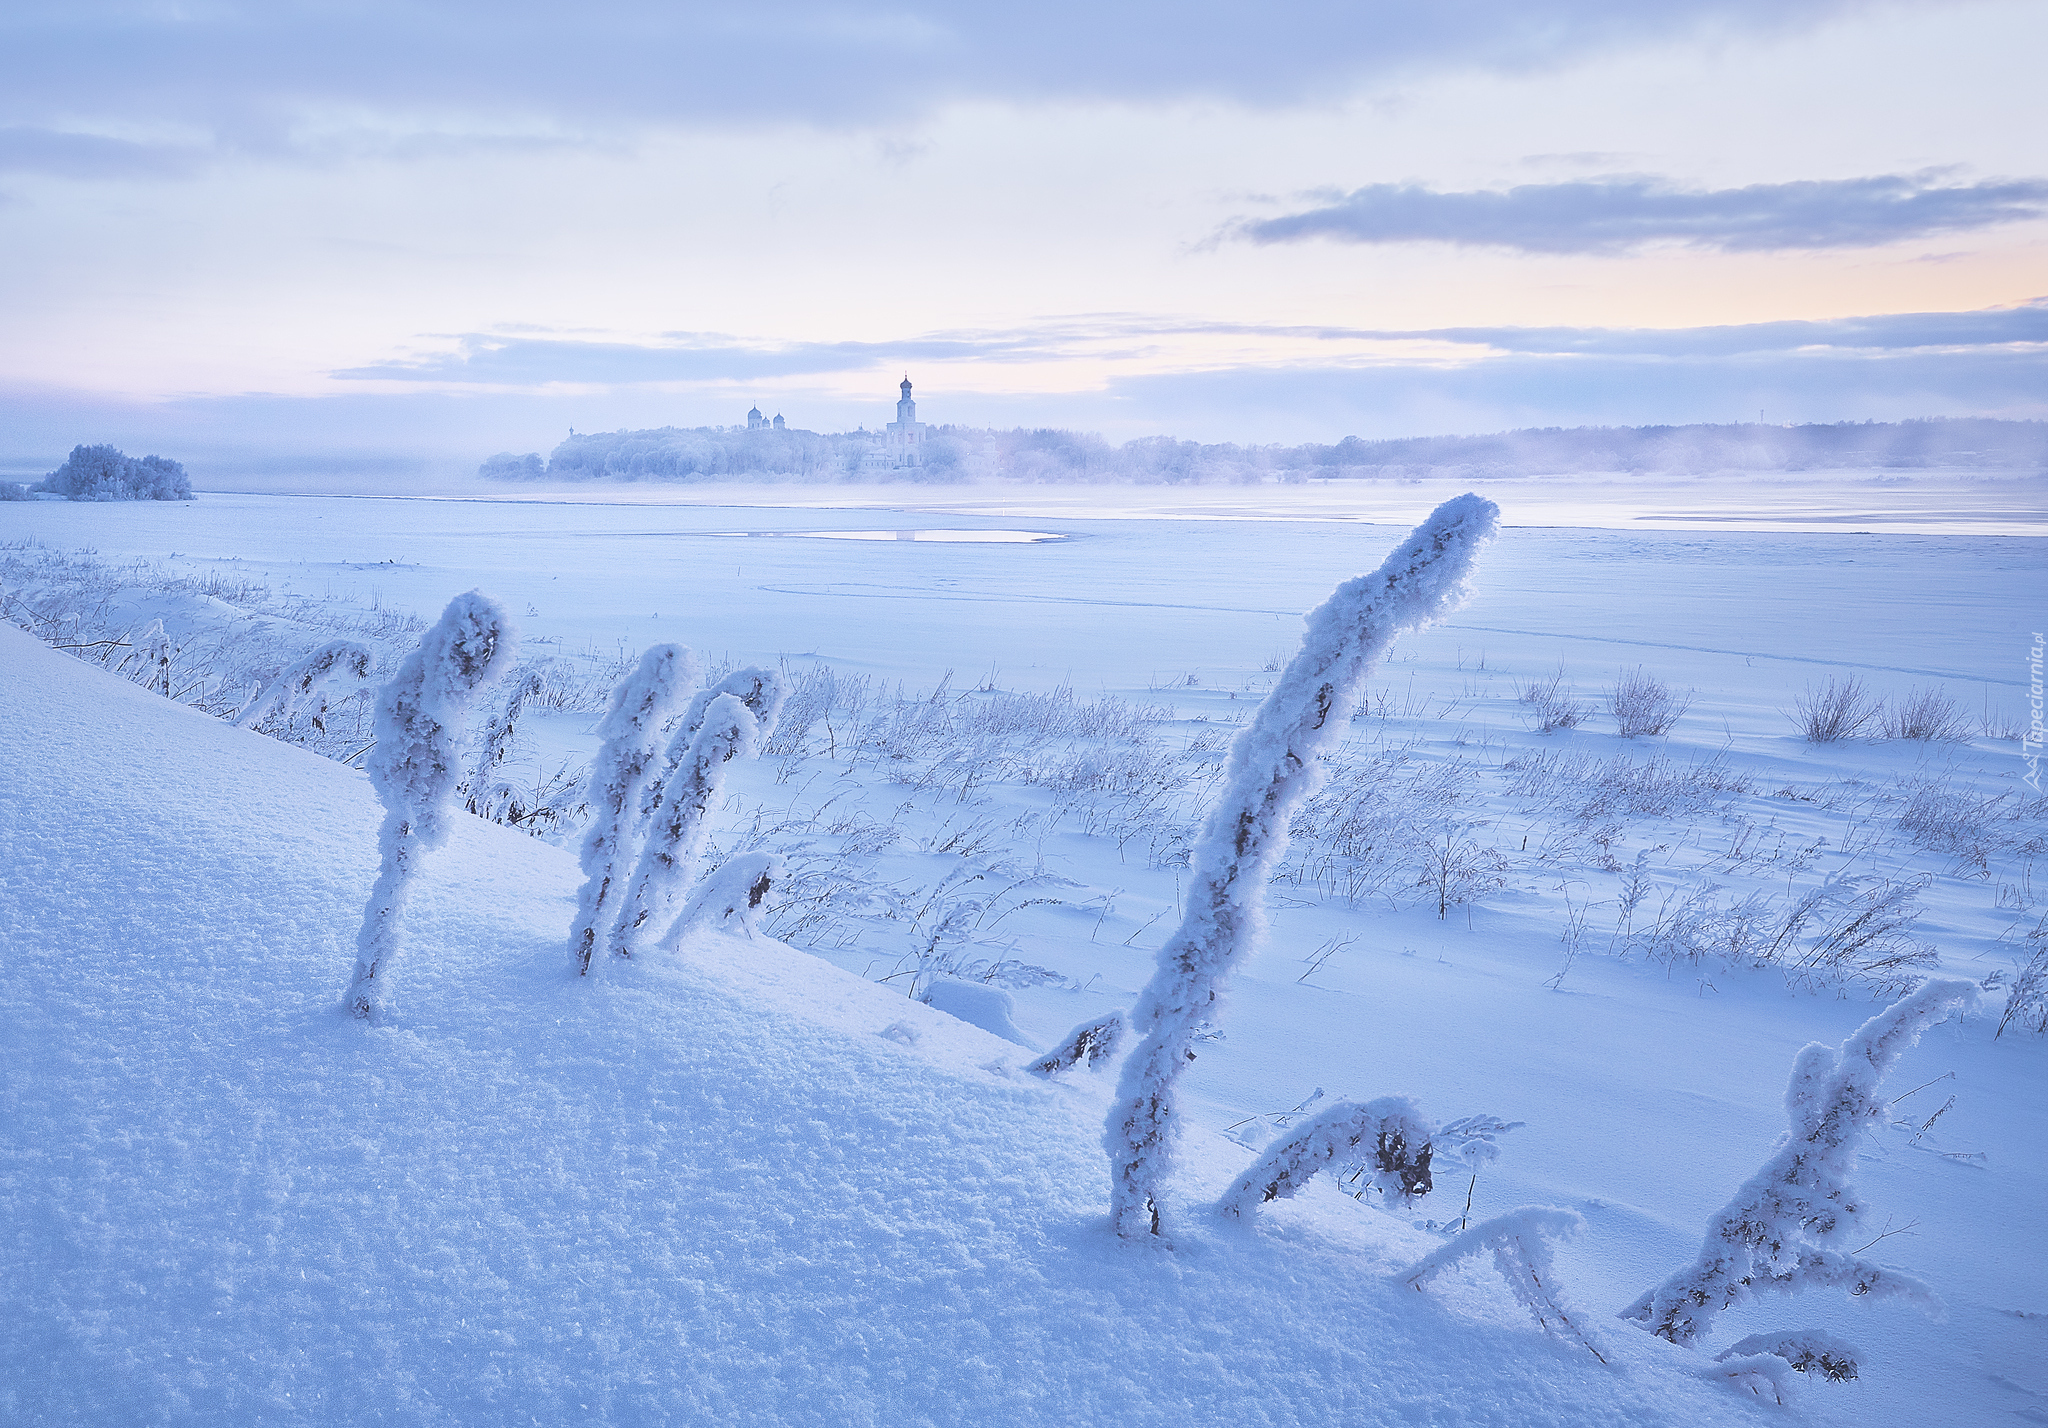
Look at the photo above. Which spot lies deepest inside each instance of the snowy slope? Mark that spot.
(734, 1186)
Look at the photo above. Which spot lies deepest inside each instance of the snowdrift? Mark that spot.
(734, 1185)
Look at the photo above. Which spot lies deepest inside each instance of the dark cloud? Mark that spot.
(28, 149)
(1614, 215)
(253, 71)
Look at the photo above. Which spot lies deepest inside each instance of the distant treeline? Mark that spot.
(953, 453)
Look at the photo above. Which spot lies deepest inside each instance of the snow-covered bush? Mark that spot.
(101, 473)
(641, 706)
(1930, 714)
(1275, 764)
(1839, 709)
(1520, 1243)
(1643, 704)
(308, 686)
(1784, 1228)
(1389, 1141)
(415, 767)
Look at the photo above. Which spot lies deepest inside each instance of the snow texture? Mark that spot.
(1275, 764)
(640, 709)
(735, 1188)
(978, 1004)
(415, 766)
(733, 897)
(1783, 1228)
(1088, 1045)
(310, 685)
(1520, 1242)
(728, 730)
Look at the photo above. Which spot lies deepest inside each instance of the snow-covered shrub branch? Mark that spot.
(415, 767)
(1275, 764)
(1786, 1226)
(641, 707)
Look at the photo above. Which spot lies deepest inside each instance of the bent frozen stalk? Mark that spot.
(632, 728)
(1274, 764)
(415, 766)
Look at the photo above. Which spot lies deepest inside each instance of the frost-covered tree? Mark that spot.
(102, 473)
(641, 707)
(1275, 763)
(414, 767)
(309, 685)
(1389, 1139)
(726, 729)
(1784, 1228)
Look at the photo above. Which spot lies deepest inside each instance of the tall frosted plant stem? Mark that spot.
(415, 766)
(733, 722)
(641, 707)
(1275, 763)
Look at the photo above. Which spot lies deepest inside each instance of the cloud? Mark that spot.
(1617, 214)
(258, 74)
(29, 149)
(495, 361)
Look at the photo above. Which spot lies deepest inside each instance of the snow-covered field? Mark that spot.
(758, 1184)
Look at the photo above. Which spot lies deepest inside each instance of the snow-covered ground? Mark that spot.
(716, 1190)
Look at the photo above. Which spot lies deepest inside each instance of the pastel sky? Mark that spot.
(245, 228)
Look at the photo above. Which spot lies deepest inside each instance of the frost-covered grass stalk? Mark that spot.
(1520, 1241)
(310, 685)
(735, 896)
(1782, 1230)
(415, 767)
(1275, 764)
(1389, 1138)
(641, 706)
(732, 721)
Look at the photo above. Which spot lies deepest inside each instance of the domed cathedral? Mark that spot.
(757, 422)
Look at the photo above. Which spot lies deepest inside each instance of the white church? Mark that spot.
(902, 443)
(896, 446)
